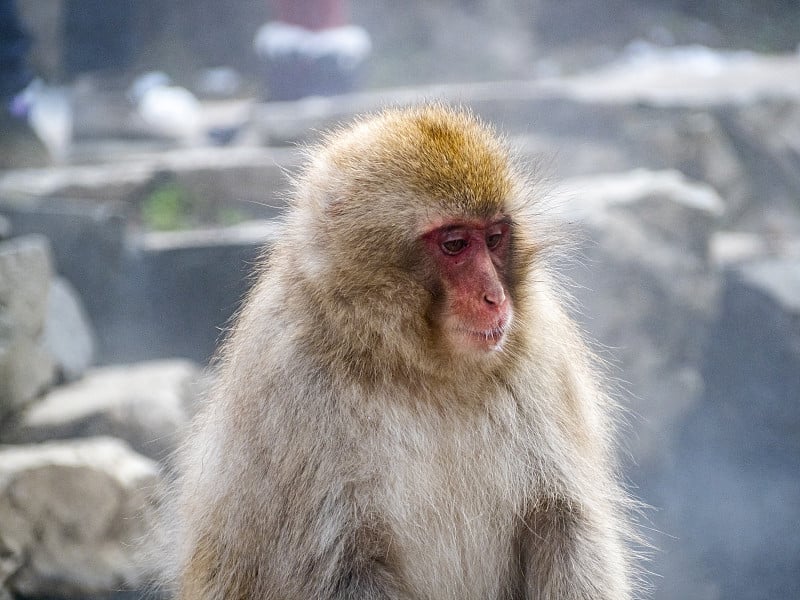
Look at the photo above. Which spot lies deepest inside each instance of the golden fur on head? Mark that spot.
(446, 157)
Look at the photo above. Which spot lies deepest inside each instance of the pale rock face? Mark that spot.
(75, 510)
(26, 369)
(68, 334)
(146, 404)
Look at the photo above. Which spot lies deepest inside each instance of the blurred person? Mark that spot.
(19, 144)
(310, 49)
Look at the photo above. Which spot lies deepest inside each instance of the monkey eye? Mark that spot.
(454, 246)
(493, 240)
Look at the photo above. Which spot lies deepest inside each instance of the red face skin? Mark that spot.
(471, 258)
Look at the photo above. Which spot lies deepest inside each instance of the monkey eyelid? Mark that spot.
(493, 240)
(454, 246)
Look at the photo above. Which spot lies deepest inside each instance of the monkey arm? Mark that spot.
(572, 552)
(300, 529)
(361, 567)
(300, 544)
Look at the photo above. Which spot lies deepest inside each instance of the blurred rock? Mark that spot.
(184, 288)
(735, 498)
(68, 334)
(26, 368)
(650, 300)
(11, 560)
(647, 292)
(87, 239)
(678, 210)
(25, 273)
(75, 510)
(735, 128)
(247, 179)
(146, 404)
(690, 75)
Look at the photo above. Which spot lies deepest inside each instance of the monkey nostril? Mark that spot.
(494, 298)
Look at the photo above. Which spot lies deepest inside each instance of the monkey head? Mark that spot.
(416, 218)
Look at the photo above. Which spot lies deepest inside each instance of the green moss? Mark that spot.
(166, 209)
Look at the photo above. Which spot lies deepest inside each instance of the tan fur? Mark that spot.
(347, 453)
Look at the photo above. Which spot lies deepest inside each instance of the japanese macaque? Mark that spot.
(404, 408)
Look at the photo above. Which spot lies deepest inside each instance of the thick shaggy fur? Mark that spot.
(347, 454)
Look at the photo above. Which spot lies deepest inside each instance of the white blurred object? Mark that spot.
(50, 116)
(695, 57)
(170, 110)
(350, 44)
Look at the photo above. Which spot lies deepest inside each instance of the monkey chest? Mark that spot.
(451, 497)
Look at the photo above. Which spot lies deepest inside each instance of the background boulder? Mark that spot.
(74, 511)
(146, 404)
(26, 368)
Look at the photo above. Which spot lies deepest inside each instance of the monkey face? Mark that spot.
(470, 259)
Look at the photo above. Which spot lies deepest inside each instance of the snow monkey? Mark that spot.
(404, 410)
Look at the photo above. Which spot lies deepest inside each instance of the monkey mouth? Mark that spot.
(490, 335)
(487, 339)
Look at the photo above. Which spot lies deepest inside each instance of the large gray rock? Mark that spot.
(146, 404)
(75, 511)
(169, 272)
(647, 291)
(730, 121)
(711, 362)
(11, 560)
(26, 369)
(250, 180)
(647, 294)
(736, 492)
(88, 242)
(68, 334)
(687, 76)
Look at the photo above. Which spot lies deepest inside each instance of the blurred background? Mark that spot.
(145, 149)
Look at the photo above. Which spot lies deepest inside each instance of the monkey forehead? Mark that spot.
(443, 155)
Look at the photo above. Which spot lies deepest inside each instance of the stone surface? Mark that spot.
(690, 75)
(740, 137)
(249, 179)
(25, 271)
(646, 291)
(168, 274)
(649, 299)
(11, 560)
(146, 404)
(68, 334)
(735, 483)
(75, 510)
(26, 369)
(679, 211)
(88, 242)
